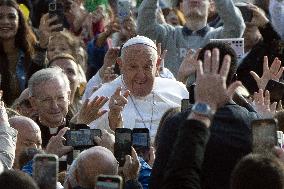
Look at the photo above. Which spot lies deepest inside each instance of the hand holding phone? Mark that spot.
(56, 9)
(122, 145)
(264, 135)
(83, 138)
(45, 170)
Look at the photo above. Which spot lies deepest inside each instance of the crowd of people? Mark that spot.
(71, 65)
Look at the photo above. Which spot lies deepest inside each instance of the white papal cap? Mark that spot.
(140, 40)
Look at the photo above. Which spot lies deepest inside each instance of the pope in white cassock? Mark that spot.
(138, 99)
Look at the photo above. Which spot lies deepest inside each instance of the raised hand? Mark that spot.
(91, 110)
(187, 66)
(262, 104)
(109, 59)
(211, 85)
(116, 104)
(259, 18)
(274, 72)
(46, 29)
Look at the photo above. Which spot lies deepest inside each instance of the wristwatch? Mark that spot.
(202, 109)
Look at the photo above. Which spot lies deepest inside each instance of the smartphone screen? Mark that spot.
(122, 145)
(276, 90)
(45, 169)
(141, 137)
(82, 138)
(185, 104)
(264, 134)
(108, 182)
(56, 9)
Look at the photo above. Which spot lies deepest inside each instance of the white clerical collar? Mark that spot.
(53, 130)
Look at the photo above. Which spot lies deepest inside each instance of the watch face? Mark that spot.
(202, 108)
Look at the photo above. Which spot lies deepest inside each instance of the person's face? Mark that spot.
(251, 36)
(28, 137)
(138, 67)
(195, 8)
(51, 101)
(172, 18)
(9, 22)
(71, 70)
(57, 45)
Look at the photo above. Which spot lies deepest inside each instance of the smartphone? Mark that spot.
(141, 138)
(237, 44)
(185, 103)
(122, 145)
(123, 9)
(45, 170)
(276, 90)
(280, 138)
(246, 12)
(264, 135)
(109, 182)
(56, 9)
(83, 138)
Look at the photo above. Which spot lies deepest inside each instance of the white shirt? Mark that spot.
(141, 112)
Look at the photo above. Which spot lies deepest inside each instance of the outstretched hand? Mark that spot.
(262, 104)
(91, 110)
(274, 72)
(187, 66)
(211, 79)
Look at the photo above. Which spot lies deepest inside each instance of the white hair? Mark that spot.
(45, 75)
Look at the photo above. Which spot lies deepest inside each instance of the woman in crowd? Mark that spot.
(71, 68)
(17, 48)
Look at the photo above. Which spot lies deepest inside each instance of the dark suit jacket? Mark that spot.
(230, 140)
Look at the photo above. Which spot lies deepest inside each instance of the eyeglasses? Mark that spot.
(49, 100)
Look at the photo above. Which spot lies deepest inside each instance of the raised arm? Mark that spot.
(147, 24)
(8, 139)
(234, 25)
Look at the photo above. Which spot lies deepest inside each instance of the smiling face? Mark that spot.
(138, 67)
(195, 8)
(51, 101)
(9, 22)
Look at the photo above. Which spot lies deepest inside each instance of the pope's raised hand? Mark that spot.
(116, 104)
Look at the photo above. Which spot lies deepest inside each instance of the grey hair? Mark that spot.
(46, 75)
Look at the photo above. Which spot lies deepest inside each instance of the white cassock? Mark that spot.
(141, 112)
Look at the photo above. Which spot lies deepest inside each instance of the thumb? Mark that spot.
(254, 75)
(98, 140)
(232, 88)
(65, 150)
(128, 161)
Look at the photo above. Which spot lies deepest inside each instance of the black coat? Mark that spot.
(230, 140)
